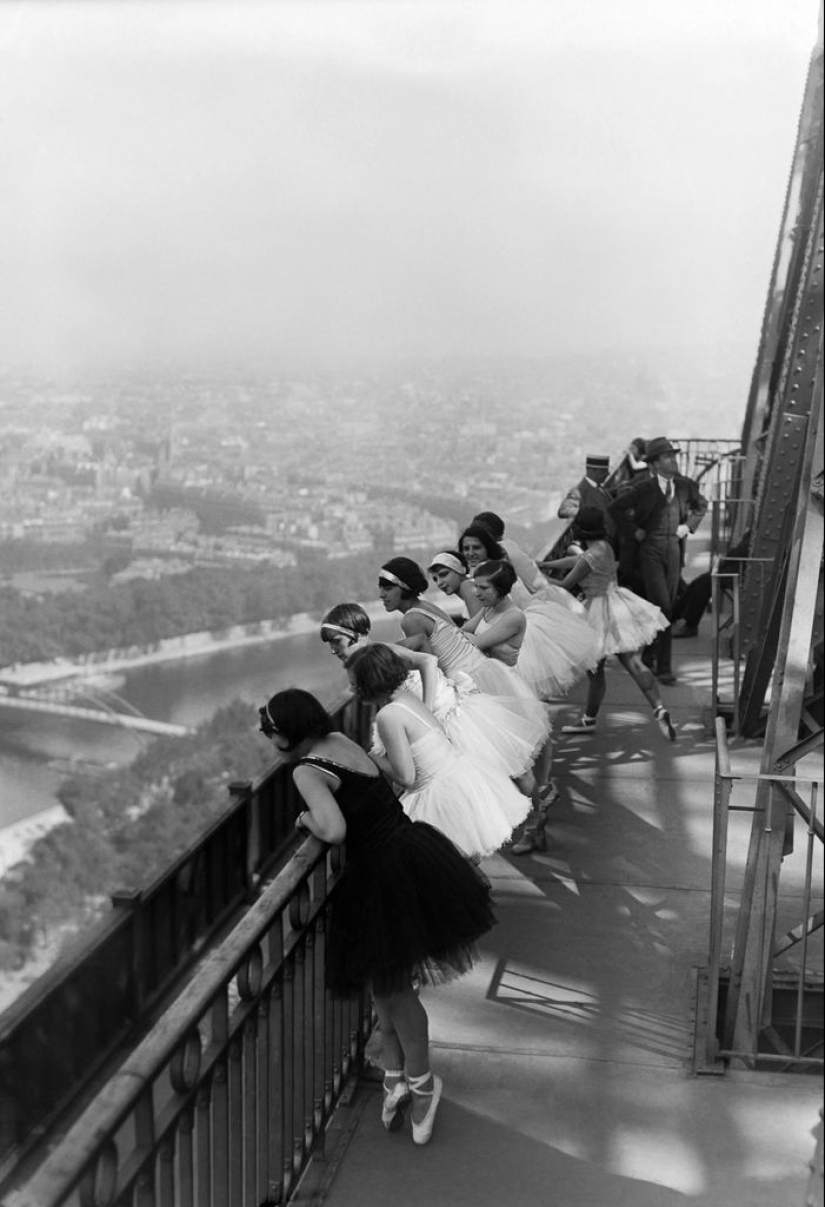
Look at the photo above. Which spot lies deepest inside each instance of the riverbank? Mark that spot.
(187, 645)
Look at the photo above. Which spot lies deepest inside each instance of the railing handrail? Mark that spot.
(102, 990)
(63, 1169)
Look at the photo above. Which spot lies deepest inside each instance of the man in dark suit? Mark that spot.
(590, 492)
(660, 513)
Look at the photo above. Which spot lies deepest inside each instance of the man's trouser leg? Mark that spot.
(660, 567)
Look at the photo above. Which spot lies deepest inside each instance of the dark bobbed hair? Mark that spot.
(500, 573)
(409, 572)
(347, 616)
(492, 548)
(492, 522)
(376, 672)
(589, 524)
(295, 715)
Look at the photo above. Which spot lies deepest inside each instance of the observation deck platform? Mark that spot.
(567, 1053)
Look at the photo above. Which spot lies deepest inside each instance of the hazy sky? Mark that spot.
(199, 181)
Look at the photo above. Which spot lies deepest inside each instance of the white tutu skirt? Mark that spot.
(477, 810)
(622, 622)
(495, 731)
(553, 593)
(492, 730)
(558, 649)
(527, 715)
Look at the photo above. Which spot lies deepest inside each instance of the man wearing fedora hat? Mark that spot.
(590, 492)
(659, 513)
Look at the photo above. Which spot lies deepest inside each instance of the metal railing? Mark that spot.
(227, 1097)
(726, 628)
(101, 994)
(802, 794)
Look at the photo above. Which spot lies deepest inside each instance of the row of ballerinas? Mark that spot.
(461, 722)
(461, 727)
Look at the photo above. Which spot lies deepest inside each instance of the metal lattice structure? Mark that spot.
(778, 495)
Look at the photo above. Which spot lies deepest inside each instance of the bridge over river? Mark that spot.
(103, 716)
(60, 696)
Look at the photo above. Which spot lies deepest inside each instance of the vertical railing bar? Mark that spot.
(289, 1066)
(737, 651)
(275, 1089)
(186, 1181)
(219, 1142)
(723, 788)
(806, 914)
(715, 642)
(261, 1096)
(166, 1169)
(204, 1144)
(764, 977)
(249, 1114)
(301, 1045)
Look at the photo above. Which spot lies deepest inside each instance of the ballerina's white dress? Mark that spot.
(557, 650)
(476, 723)
(475, 806)
(621, 621)
(522, 718)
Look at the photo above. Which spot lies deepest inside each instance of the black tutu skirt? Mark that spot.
(409, 903)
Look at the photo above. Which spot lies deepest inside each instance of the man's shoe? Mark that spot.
(584, 724)
(666, 677)
(687, 630)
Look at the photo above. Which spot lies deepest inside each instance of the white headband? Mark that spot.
(393, 578)
(450, 561)
(337, 628)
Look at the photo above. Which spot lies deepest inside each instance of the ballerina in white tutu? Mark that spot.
(533, 586)
(474, 805)
(451, 574)
(478, 724)
(622, 622)
(557, 647)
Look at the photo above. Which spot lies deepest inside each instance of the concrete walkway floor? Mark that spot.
(566, 1053)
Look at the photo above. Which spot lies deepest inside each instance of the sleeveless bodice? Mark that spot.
(432, 752)
(506, 651)
(452, 649)
(371, 809)
(602, 577)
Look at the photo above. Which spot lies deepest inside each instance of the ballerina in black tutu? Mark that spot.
(409, 904)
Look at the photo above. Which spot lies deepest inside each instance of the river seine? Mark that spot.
(36, 749)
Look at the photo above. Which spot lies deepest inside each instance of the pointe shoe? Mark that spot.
(394, 1105)
(548, 794)
(665, 724)
(585, 724)
(534, 839)
(423, 1131)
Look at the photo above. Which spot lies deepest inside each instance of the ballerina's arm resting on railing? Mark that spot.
(322, 816)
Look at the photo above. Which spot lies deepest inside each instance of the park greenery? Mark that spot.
(141, 612)
(126, 826)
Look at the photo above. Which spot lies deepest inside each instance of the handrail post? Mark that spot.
(130, 900)
(723, 783)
